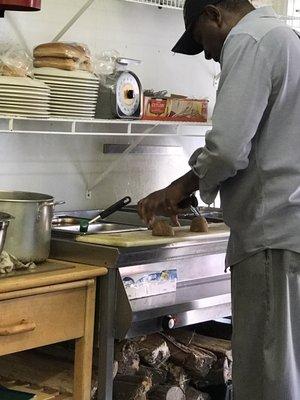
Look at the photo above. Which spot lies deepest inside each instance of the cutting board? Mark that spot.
(145, 238)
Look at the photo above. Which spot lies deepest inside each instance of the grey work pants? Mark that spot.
(266, 320)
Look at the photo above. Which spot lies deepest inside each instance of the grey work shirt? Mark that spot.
(252, 153)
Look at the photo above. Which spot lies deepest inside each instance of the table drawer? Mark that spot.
(42, 318)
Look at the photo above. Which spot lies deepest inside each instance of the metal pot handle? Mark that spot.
(53, 203)
(47, 204)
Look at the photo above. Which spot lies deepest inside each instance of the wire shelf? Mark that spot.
(173, 4)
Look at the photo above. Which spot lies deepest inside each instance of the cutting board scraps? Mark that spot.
(145, 238)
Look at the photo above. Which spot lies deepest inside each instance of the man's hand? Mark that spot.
(165, 201)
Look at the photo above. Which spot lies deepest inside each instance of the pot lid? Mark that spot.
(24, 197)
(20, 5)
(5, 217)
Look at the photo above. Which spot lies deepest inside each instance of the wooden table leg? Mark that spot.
(84, 350)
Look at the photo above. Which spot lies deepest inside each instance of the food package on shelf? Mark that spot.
(76, 51)
(15, 62)
(175, 108)
(66, 56)
(150, 284)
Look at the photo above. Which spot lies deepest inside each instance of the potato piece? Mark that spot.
(162, 228)
(199, 224)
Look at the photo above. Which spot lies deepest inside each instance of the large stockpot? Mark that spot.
(29, 234)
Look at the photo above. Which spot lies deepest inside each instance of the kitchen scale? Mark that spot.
(121, 95)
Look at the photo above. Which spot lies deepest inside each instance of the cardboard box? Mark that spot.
(175, 109)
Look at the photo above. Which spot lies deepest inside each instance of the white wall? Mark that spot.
(65, 166)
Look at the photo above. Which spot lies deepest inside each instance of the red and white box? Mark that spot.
(180, 109)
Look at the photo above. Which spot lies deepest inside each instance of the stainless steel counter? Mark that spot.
(203, 289)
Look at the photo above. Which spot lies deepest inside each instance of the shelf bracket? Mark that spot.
(115, 163)
(73, 20)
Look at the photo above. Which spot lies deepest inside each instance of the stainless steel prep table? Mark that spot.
(203, 290)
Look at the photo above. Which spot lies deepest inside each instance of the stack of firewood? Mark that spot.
(177, 366)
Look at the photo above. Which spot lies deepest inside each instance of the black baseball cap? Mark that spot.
(191, 11)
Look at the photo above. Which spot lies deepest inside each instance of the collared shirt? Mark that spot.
(252, 153)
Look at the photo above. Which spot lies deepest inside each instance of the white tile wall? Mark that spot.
(65, 166)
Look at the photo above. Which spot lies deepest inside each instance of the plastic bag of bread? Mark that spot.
(15, 61)
(74, 51)
(67, 64)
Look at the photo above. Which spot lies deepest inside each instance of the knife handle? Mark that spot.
(188, 202)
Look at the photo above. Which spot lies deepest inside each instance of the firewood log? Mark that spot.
(196, 361)
(127, 358)
(153, 350)
(129, 387)
(220, 347)
(177, 376)
(193, 394)
(115, 368)
(158, 376)
(166, 392)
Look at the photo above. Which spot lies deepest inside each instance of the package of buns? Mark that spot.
(75, 51)
(66, 56)
(15, 62)
(52, 62)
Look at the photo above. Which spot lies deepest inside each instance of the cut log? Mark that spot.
(193, 394)
(197, 362)
(177, 376)
(127, 358)
(166, 392)
(115, 368)
(162, 228)
(153, 350)
(129, 387)
(220, 347)
(158, 376)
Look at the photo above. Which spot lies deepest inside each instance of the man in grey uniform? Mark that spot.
(252, 157)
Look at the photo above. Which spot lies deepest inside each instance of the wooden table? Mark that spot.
(49, 307)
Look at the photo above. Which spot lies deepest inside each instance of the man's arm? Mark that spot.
(243, 96)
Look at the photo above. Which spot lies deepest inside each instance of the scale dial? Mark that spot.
(128, 94)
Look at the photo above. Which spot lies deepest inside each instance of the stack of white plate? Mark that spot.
(24, 97)
(73, 94)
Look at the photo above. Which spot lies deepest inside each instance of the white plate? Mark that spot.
(26, 97)
(52, 83)
(29, 116)
(72, 114)
(73, 89)
(13, 100)
(21, 111)
(24, 88)
(70, 111)
(66, 96)
(64, 79)
(71, 107)
(67, 74)
(23, 107)
(74, 102)
(25, 91)
(26, 82)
